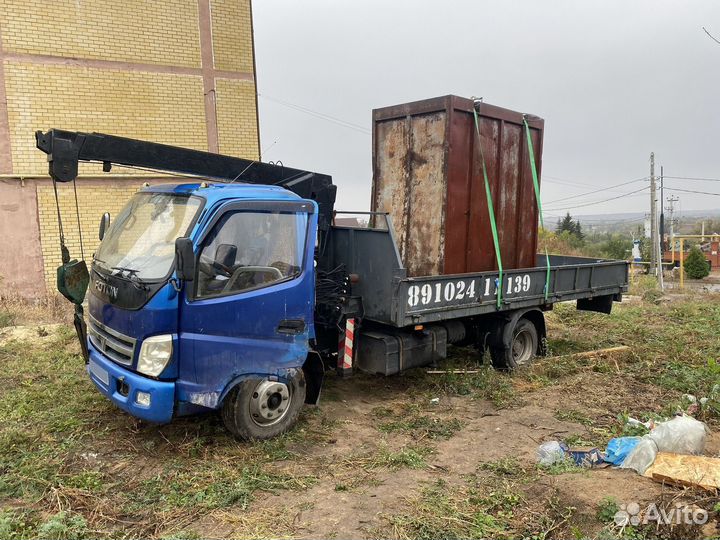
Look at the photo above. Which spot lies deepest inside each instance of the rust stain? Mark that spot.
(428, 175)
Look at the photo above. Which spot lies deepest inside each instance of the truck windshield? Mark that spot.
(141, 240)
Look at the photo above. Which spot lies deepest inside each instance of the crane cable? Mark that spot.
(536, 184)
(64, 252)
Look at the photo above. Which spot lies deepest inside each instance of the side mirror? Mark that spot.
(184, 259)
(104, 224)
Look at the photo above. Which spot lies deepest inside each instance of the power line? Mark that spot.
(692, 191)
(601, 201)
(711, 36)
(564, 181)
(598, 220)
(694, 178)
(598, 190)
(316, 114)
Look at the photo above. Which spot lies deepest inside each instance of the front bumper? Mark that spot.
(108, 378)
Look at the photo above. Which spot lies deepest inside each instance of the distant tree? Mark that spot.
(696, 266)
(570, 228)
(577, 231)
(617, 247)
(565, 224)
(712, 226)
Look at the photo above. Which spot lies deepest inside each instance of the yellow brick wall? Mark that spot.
(147, 31)
(232, 43)
(160, 107)
(93, 202)
(237, 121)
(149, 85)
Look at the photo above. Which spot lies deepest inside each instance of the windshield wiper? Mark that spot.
(130, 271)
(132, 276)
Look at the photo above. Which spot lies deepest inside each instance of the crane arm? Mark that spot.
(65, 149)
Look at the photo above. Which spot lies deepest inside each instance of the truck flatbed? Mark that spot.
(389, 296)
(435, 298)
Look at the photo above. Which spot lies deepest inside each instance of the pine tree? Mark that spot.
(566, 224)
(577, 230)
(696, 266)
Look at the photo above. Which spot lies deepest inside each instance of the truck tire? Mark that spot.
(259, 409)
(522, 347)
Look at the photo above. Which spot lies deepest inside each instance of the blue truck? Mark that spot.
(238, 291)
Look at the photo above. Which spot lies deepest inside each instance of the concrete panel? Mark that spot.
(21, 267)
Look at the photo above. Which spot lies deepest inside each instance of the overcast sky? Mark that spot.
(614, 81)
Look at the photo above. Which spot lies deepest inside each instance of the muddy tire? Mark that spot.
(521, 350)
(259, 409)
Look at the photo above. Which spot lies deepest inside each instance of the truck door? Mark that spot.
(250, 308)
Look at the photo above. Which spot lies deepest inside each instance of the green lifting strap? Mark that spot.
(536, 183)
(491, 212)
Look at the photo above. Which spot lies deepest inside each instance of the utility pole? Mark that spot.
(671, 211)
(653, 218)
(662, 213)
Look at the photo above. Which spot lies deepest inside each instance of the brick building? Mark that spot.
(172, 71)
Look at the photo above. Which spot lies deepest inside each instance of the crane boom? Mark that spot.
(65, 149)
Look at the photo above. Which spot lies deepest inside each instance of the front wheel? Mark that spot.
(522, 347)
(261, 409)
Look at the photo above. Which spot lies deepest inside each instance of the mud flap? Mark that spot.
(601, 304)
(81, 331)
(314, 375)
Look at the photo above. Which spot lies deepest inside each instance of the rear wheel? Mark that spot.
(522, 348)
(262, 409)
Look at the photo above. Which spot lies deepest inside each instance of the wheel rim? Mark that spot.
(269, 403)
(522, 347)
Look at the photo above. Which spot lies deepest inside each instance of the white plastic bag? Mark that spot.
(642, 456)
(681, 435)
(551, 452)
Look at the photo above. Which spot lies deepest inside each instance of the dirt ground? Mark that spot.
(489, 434)
(412, 456)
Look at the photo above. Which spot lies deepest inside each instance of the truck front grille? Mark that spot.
(116, 346)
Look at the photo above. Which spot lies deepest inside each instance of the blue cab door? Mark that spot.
(250, 308)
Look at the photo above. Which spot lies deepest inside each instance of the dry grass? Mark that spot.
(47, 309)
(72, 466)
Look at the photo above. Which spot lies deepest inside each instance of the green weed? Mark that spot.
(572, 415)
(411, 458)
(442, 512)
(509, 466)
(205, 488)
(7, 319)
(64, 526)
(564, 466)
(607, 509)
(423, 426)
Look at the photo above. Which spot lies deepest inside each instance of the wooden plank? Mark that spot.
(686, 470)
(590, 354)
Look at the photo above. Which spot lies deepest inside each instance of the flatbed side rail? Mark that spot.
(435, 298)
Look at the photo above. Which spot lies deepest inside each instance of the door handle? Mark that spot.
(291, 326)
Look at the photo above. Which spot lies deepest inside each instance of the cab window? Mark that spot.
(249, 249)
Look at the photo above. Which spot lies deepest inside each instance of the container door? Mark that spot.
(250, 308)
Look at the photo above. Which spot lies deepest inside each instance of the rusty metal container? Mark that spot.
(427, 174)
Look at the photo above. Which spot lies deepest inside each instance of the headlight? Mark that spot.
(155, 353)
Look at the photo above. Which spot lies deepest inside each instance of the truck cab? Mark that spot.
(235, 333)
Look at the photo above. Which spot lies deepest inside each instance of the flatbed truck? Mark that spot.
(237, 292)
